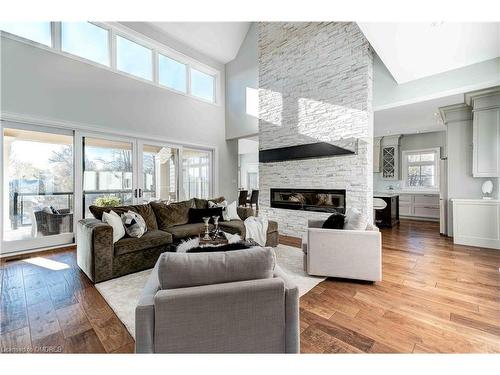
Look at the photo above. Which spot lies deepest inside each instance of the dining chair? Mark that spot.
(254, 199)
(242, 198)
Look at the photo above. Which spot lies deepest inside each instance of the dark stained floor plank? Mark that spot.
(42, 320)
(16, 342)
(62, 295)
(125, 349)
(110, 330)
(84, 342)
(53, 343)
(72, 320)
(36, 296)
(13, 315)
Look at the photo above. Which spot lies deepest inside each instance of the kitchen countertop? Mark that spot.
(392, 193)
(385, 194)
(476, 200)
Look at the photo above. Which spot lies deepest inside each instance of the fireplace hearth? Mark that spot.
(319, 200)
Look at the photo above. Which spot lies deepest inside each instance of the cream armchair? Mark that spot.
(351, 254)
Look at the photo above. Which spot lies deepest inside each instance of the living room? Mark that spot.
(233, 186)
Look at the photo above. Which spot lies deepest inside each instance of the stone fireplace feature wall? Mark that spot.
(315, 85)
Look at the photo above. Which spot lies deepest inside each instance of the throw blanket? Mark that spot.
(256, 229)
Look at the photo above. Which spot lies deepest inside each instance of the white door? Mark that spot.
(109, 171)
(197, 173)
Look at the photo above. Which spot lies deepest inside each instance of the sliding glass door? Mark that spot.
(158, 177)
(197, 173)
(108, 173)
(38, 187)
(50, 177)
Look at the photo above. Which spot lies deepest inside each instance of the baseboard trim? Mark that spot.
(35, 252)
(418, 218)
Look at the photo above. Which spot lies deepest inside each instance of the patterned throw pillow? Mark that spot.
(223, 205)
(134, 224)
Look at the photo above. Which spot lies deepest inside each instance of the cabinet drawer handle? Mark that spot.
(429, 195)
(432, 208)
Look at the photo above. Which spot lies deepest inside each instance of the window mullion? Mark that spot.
(155, 64)
(55, 28)
(112, 48)
(188, 72)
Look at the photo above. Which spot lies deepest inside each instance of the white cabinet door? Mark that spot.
(476, 223)
(426, 200)
(405, 209)
(405, 198)
(426, 211)
(486, 141)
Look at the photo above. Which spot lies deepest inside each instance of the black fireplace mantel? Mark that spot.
(307, 151)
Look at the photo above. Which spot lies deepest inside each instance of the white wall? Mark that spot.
(409, 142)
(387, 93)
(47, 85)
(242, 73)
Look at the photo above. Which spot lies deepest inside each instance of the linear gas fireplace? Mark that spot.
(321, 200)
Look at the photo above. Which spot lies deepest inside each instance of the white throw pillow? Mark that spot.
(232, 212)
(115, 221)
(355, 220)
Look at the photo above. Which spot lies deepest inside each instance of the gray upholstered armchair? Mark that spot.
(219, 302)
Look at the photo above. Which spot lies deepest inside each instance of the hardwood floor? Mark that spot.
(50, 306)
(435, 297)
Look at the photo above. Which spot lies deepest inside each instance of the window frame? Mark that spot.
(212, 171)
(57, 37)
(140, 43)
(188, 78)
(22, 39)
(214, 93)
(114, 29)
(406, 164)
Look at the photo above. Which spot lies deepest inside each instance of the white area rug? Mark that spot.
(123, 293)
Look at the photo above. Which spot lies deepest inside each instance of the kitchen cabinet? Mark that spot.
(390, 157)
(419, 205)
(485, 132)
(486, 143)
(476, 222)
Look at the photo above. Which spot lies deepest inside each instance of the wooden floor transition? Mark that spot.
(435, 297)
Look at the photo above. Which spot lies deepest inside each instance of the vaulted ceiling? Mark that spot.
(218, 40)
(413, 50)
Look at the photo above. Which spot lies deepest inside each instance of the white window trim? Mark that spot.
(404, 156)
(114, 29)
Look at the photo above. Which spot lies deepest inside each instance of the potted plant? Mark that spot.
(108, 201)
